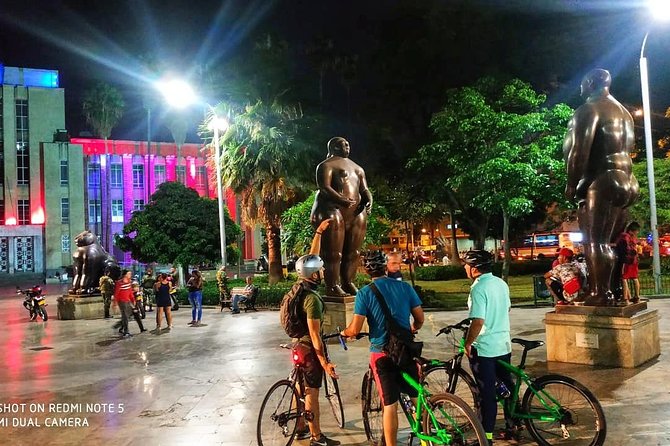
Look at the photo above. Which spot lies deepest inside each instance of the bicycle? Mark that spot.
(284, 403)
(441, 419)
(556, 409)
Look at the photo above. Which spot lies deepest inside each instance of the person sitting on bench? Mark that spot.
(249, 292)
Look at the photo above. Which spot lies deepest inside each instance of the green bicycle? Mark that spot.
(440, 419)
(556, 409)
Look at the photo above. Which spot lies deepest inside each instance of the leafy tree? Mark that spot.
(297, 232)
(499, 151)
(640, 210)
(103, 107)
(177, 226)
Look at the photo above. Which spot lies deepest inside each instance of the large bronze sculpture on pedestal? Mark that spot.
(90, 262)
(600, 178)
(343, 196)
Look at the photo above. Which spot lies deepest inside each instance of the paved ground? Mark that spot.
(204, 385)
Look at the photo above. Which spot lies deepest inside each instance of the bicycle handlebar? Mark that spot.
(463, 325)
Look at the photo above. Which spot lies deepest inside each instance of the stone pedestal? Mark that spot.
(607, 336)
(339, 312)
(72, 306)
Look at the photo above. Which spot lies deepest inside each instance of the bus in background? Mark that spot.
(544, 245)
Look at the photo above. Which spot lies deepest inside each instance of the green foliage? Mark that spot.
(447, 272)
(177, 226)
(523, 268)
(428, 297)
(103, 107)
(297, 232)
(640, 210)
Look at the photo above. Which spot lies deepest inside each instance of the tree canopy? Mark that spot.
(177, 226)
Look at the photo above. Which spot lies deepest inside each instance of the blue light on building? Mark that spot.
(30, 77)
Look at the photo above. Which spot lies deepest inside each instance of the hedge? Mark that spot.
(451, 272)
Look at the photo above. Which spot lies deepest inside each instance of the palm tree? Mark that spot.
(264, 161)
(103, 107)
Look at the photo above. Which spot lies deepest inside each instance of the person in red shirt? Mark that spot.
(125, 298)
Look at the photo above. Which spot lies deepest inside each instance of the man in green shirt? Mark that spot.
(488, 339)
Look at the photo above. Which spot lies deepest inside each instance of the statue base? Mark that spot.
(339, 313)
(605, 336)
(90, 306)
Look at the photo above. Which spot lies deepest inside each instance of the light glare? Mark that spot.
(218, 123)
(177, 93)
(660, 9)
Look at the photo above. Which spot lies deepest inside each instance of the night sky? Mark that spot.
(550, 43)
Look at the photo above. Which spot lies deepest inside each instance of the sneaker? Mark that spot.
(236, 311)
(143, 330)
(323, 441)
(197, 324)
(127, 335)
(192, 323)
(169, 327)
(302, 434)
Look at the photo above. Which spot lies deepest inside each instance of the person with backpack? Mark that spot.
(107, 290)
(401, 301)
(301, 315)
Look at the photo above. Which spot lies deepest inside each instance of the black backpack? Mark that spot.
(291, 312)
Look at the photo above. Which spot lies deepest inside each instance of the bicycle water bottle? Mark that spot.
(407, 403)
(501, 390)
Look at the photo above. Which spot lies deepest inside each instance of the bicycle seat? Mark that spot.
(527, 344)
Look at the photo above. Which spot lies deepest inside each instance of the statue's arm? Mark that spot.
(366, 196)
(324, 178)
(577, 147)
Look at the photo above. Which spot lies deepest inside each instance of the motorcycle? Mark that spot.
(34, 302)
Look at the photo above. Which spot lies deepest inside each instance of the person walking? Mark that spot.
(402, 302)
(173, 277)
(488, 338)
(163, 303)
(123, 294)
(194, 286)
(107, 290)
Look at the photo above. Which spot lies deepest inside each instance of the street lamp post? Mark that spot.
(659, 10)
(219, 124)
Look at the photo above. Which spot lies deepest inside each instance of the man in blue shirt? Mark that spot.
(488, 339)
(402, 301)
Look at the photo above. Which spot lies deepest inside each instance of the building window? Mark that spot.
(65, 243)
(93, 175)
(201, 177)
(94, 210)
(117, 211)
(24, 212)
(64, 173)
(138, 176)
(22, 147)
(181, 174)
(116, 172)
(159, 174)
(65, 210)
(138, 205)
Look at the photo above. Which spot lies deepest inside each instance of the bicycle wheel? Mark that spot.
(334, 399)
(582, 418)
(455, 422)
(372, 411)
(436, 380)
(278, 418)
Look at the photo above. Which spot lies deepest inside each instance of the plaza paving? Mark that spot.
(204, 385)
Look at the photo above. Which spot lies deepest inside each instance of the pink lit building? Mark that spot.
(135, 172)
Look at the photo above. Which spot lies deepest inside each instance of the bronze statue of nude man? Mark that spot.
(344, 197)
(600, 177)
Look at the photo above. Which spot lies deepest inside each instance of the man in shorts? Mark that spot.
(402, 301)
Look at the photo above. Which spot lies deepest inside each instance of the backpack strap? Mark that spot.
(391, 324)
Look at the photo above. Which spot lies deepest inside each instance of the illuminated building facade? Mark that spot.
(42, 196)
(122, 175)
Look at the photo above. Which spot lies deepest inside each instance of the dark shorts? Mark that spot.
(310, 365)
(388, 377)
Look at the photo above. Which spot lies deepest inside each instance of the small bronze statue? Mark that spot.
(600, 177)
(343, 196)
(90, 262)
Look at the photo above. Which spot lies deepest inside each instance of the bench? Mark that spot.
(250, 298)
(540, 291)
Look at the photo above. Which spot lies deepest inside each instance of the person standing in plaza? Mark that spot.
(488, 339)
(107, 290)
(123, 294)
(163, 303)
(629, 258)
(148, 282)
(173, 277)
(194, 286)
(402, 301)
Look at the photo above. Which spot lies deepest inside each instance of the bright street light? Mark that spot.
(218, 124)
(660, 10)
(177, 93)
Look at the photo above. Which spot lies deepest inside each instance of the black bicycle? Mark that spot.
(284, 404)
(556, 409)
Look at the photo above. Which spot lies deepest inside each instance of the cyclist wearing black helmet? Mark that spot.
(488, 339)
(402, 301)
